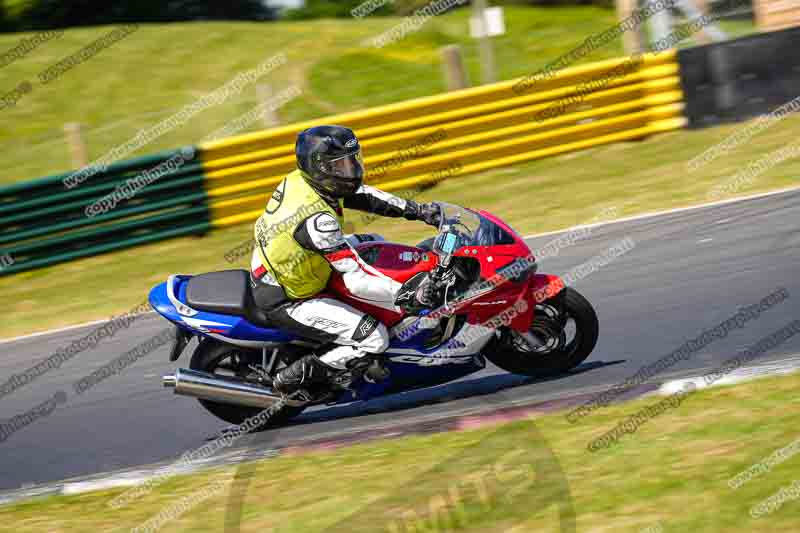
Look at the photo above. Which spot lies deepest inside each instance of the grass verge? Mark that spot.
(158, 69)
(673, 473)
(155, 71)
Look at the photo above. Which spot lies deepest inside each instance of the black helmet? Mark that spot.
(330, 157)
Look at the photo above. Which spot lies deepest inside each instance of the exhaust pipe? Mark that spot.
(219, 388)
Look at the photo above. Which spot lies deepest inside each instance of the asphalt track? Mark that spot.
(689, 270)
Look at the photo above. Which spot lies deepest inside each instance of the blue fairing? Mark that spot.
(212, 324)
(407, 376)
(425, 367)
(416, 367)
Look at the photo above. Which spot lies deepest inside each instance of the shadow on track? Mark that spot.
(448, 392)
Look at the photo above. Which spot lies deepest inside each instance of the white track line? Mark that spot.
(748, 373)
(535, 235)
(66, 328)
(668, 211)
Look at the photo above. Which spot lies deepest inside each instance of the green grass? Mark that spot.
(412, 67)
(673, 471)
(552, 193)
(158, 69)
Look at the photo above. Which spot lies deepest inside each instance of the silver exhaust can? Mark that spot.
(219, 388)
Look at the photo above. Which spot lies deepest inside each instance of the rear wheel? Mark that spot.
(224, 360)
(567, 327)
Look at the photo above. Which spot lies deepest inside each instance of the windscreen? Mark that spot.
(462, 227)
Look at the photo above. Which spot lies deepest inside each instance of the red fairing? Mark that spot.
(515, 302)
(397, 261)
(544, 286)
(507, 294)
(539, 288)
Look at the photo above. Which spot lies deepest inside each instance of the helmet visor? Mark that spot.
(350, 166)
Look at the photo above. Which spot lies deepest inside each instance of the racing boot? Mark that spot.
(308, 373)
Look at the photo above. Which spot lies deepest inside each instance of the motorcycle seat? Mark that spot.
(227, 292)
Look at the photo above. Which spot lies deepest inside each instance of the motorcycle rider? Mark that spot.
(299, 242)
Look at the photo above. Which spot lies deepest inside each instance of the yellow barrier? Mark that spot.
(429, 139)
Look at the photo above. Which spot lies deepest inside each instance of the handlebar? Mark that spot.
(437, 274)
(441, 268)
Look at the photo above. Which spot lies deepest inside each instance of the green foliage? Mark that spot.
(5, 23)
(47, 14)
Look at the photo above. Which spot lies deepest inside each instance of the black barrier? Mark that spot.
(739, 79)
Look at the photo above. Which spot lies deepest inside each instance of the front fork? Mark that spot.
(542, 289)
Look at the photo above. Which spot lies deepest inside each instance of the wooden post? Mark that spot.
(76, 144)
(269, 118)
(660, 26)
(631, 40)
(702, 36)
(488, 70)
(453, 65)
(776, 14)
(694, 9)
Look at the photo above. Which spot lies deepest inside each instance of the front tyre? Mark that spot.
(567, 327)
(217, 358)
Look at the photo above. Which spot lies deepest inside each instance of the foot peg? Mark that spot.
(370, 367)
(376, 371)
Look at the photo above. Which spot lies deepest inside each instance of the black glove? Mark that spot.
(418, 293)
(429, 214)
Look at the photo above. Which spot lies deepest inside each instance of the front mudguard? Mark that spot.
(541, 287)
(544, 286)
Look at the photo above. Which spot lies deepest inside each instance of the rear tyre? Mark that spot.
(568, 324)
(208, 357)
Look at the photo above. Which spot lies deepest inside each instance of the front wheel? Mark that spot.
(222, 359)
(567, 327)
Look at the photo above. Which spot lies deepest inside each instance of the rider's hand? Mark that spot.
(426, 294)
(417, 293)
(429, 213)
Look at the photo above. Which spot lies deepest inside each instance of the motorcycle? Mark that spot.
(496, 307)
